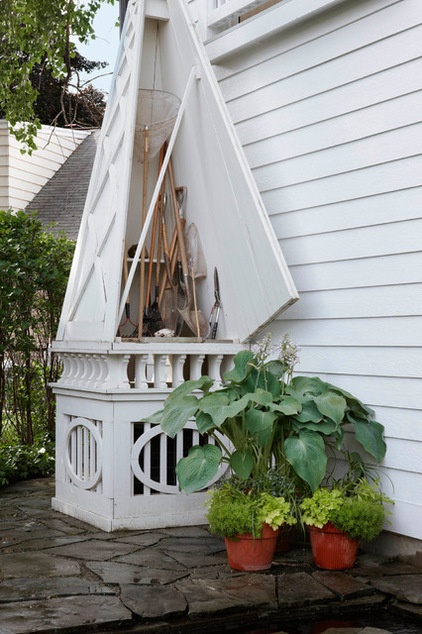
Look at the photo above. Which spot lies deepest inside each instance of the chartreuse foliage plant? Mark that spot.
(357, 509)
(233, 512)
(262, 416)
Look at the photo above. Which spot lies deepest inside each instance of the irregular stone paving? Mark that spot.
(58, 574)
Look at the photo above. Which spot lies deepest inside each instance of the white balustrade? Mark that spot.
(153, 367)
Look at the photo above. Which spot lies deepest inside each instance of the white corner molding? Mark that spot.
(156, 9)
(266, 24)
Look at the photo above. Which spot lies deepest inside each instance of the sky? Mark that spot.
(104, 47)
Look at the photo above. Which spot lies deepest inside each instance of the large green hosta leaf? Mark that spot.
(198, 468)
(306, 453)
(242, 367)
(242, 463)
(265, 381)
(203, 383)
(370, 435)
(288, 406)
(175, 415)
(309, 413)
(220, 409)
(260, 424)
(301, 387)
(331, 406)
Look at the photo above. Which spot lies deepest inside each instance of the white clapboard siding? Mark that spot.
(23, 175)
(360, 302)
(378, 150)
(360, 62)
(360, 183)
(403, 268)
(381, 208)
(377, 331)
(380, 360)
(376, 240)
(349, 129)
(290, 114)
(329, 114)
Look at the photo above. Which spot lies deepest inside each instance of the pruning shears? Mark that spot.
(215, 310)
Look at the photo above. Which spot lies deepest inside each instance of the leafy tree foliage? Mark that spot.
(36, 34)
(34, 267)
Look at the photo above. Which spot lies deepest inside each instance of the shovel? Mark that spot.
(152, 317)
(197, 269)
(144, 209)
(169, 295)
(194, 319)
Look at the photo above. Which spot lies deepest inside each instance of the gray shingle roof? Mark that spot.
(62, 199)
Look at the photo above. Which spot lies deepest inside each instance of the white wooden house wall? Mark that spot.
(328, 110)
(23, 175)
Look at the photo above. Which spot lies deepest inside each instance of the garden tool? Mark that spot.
(169, 295)
(197, 269)
(144, 211)
(152, 317)
(194, 319)
(215, 310)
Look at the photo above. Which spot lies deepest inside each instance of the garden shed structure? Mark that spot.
(325, 98)
(113, 469)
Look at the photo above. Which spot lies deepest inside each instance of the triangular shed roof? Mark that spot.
(164, 52)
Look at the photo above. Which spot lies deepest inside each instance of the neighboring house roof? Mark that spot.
(62, 199)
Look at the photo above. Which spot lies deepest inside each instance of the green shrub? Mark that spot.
(358, 509)
(22, 462)
(34, 268)
(360, 519)
(232, 512)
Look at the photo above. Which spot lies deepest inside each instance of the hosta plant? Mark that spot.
(261, 416)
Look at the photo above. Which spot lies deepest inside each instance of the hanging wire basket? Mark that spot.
(156, 115)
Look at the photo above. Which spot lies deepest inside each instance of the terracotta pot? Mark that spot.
(331, 548)
(248, 553)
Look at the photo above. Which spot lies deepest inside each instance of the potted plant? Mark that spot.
(249, 521)
(340, 517)
(261, 416)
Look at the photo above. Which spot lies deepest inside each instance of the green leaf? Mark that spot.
(242, 463)
(276, 368)
(288, 406)
(173, 418)
(203, 383)
(260, 425)
(370, 435)
(242, 367)
(326, 427)
(306, 453)
(331, 405)
(309, 413)
(265, 381)
(199, 467)
(305, 386)
(354, 404)
(204, 422)
(217, 406)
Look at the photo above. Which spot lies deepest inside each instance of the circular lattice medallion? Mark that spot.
(84, 452)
